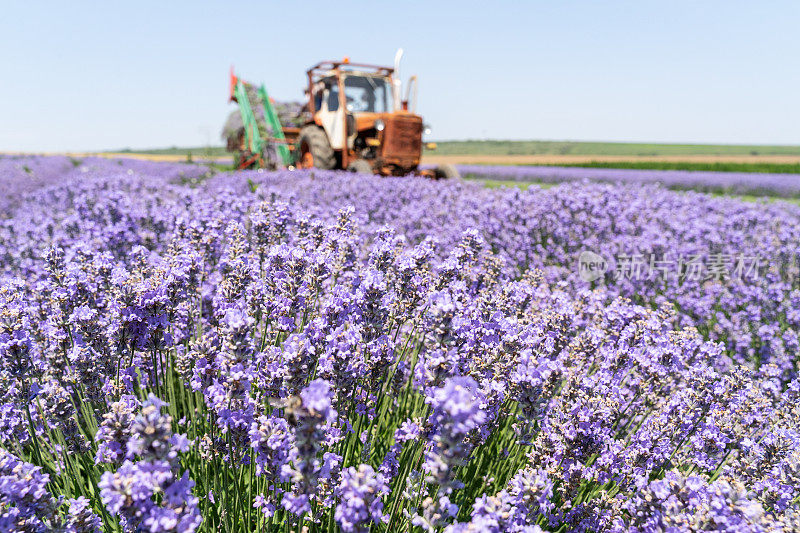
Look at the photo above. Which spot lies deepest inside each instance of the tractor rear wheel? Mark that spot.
(314, 149)
(360, 166)
(446, 172)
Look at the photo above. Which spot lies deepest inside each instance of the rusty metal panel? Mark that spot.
(402, 137)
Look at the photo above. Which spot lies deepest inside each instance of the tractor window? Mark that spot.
(333, 97)
(367, 94)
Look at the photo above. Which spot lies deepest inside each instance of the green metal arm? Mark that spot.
(252, 136)
(254, 139)
(275, 125)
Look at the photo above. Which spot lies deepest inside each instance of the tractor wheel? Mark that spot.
(314, 149)
(360, 166)
(446, 172)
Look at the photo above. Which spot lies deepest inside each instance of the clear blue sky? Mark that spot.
(89, 76)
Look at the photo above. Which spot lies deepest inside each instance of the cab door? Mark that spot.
(331, 114)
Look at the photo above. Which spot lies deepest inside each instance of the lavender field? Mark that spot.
(324, 351)
(762, 184)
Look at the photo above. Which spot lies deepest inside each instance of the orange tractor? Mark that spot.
(355, 118)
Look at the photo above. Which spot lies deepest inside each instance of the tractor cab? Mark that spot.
(366, 122)
(348, 105)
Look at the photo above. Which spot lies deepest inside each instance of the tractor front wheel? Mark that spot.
(446, 172)
(360, 166)
(314, 149)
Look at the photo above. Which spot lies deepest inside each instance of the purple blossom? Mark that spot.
(81, 518)
(360, 493)
(317, 399)
(456, 407)
(26, 503)
(130, 492)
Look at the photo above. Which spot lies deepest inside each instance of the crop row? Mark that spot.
(764, 184)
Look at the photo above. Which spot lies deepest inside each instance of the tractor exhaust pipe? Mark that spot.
(398, 83)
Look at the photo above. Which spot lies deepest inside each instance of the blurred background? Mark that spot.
(92, 76)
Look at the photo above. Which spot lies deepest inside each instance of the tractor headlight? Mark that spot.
(427, 130)
(379, 125)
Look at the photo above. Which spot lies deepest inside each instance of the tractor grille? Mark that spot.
(402, 137)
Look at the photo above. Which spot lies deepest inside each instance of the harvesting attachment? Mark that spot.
(262, 141)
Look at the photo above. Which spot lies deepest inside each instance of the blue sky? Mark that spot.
(90, 75)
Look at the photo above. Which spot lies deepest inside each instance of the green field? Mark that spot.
(203, 151)
(499, 147)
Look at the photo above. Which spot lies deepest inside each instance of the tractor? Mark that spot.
(355, 118)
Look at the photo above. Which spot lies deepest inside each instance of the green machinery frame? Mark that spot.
(254, 140)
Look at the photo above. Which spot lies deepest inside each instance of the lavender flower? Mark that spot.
(81, 518)
(131, 492)
(456, 414)
(307, 414)
(150, 494)
(360, 491)
(115, 431)
(26, 503)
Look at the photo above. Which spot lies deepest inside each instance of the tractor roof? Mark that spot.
(323, 67)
